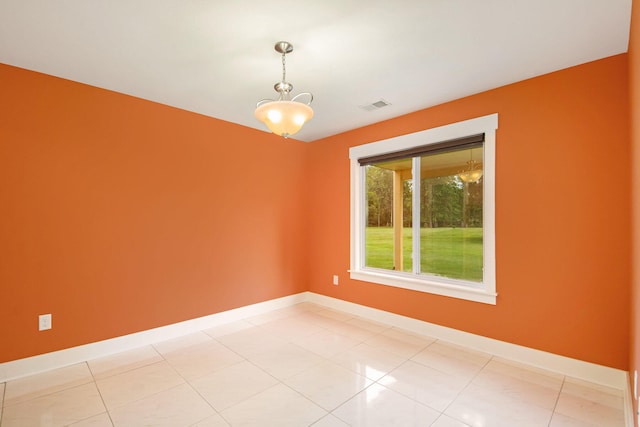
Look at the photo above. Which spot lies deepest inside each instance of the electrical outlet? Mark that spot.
(44, 322)
(335, 279)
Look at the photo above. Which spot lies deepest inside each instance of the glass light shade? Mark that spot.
(471, 176)
(284, 118)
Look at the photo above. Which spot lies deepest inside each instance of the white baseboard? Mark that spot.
(58, 359)
(628, 404)
(603, 375)
(591, 372)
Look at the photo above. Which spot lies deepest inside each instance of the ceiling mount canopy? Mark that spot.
(284, 116)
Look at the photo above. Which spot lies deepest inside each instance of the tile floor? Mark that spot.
(305, 365)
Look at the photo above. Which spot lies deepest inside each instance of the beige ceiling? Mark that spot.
(216, 57)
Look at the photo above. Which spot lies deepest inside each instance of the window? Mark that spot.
(422, 211)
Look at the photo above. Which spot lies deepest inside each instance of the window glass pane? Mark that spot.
(448, 174)
(388, 215)
(451, 214)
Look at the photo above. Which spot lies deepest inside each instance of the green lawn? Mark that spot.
(449, 252)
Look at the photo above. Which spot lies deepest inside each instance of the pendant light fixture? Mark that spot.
(473, 171)
(284, 116)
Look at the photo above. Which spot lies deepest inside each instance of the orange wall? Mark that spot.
(562, 209)
(634, 79)
(120, 215)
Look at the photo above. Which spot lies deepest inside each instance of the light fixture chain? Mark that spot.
(284, 69)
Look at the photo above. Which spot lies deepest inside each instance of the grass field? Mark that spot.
(449, 252)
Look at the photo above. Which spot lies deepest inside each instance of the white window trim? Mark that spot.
(485, 291)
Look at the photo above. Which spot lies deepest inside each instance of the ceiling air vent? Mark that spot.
(375, 105)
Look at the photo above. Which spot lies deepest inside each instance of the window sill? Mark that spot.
(425, 284)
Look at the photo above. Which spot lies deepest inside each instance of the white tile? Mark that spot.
(280, 405)
(429, 386)
(23, 389)
(590, 405)
(348, 329)
(380, 406)
(291, 328)
(402, 343)
(369, 325)
(560, 420)
(372, 362)
(480, 407)
(321, 321)
(101, 420)
(122, 362)
(330, 421)
(133, 385)
(202, 359)
(327, 343)
(228, 328)
(334, 314)
(233, 384)
(452, 359)
(56, 409)
(525, 372)
(328, 385)
(271, 316)
(299, 311)
(180, 406)
(408, 337)
(183, 343)
(595, 392)
(213, 421)
(305, 307)
(302, 308)
(445, 421)
(517, 382)
(286, 360)
(251, 341)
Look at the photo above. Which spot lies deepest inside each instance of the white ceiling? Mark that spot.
(216, 57)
